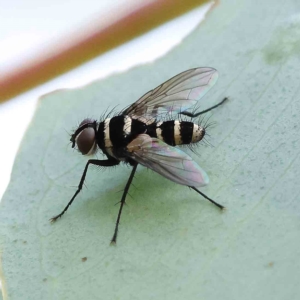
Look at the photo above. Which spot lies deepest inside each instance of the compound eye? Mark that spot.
(86, 141)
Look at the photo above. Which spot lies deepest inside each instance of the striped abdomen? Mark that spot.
(177, 132)
(117, 132)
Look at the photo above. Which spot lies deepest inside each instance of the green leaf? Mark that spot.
(172, 244)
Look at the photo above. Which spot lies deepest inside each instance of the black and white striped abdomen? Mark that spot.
(117, 132)
(177, 132)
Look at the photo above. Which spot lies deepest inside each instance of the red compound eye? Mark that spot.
(86, 142)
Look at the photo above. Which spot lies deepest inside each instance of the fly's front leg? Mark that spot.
(189, 114)
(96, 162)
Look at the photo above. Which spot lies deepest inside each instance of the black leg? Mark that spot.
(114, 238)
(212, 201)
(102, 163)
(189, 114)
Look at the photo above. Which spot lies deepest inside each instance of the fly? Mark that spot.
(144, 134)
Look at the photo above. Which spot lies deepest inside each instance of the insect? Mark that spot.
(143, 133)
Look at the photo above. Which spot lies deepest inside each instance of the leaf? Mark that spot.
(172, 243)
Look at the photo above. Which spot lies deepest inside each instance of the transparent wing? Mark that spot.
(175, 95)
(166, 160)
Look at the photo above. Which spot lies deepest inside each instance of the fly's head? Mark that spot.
(85, 137)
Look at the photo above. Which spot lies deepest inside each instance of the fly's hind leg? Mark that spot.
(211, 200)
(189, 114)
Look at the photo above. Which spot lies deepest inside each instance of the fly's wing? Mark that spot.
(166, 160)
(175, 95)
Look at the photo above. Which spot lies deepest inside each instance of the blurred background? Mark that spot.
(30, 29)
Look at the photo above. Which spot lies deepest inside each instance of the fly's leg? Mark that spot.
(211, 200)
(102, 163)
(189, 114)
(114, 238)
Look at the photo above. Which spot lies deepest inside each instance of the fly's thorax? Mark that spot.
(146, 119)
(106, 131)
(115, 133)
